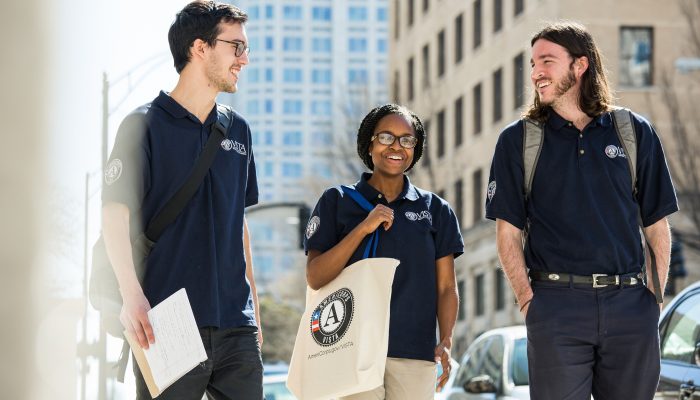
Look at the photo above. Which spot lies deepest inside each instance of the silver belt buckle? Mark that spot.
(595, 280)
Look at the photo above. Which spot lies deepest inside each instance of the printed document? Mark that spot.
(178, 347)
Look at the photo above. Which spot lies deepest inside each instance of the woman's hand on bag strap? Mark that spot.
(134, 317)
(380, 215)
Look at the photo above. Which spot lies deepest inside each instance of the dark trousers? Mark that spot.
(584, 341)
(233, 369)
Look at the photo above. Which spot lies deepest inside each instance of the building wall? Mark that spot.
(453, 161)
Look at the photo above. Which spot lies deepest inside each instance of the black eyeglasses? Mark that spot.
(387, 139)
(239, 46)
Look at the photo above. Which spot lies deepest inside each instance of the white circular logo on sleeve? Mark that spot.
(312, 226)
(113, 171)
(492, 190)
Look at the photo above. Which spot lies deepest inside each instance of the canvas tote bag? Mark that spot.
(343, 336)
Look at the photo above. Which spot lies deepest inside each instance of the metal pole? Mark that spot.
(105, 117)
(102, 342)
(84, 354)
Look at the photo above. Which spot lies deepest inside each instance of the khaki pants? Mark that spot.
(404, 379)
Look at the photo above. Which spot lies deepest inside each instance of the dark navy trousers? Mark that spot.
(583, 341)
(233, 369)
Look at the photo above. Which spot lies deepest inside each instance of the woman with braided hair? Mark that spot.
(416, 227)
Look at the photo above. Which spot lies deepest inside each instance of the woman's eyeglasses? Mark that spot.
(387, 139)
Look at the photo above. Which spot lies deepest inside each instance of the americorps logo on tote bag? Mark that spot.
(343, 336)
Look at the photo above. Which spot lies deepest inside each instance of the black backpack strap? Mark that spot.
(177, 203)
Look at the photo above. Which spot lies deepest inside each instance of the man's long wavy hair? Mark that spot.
(595, 96)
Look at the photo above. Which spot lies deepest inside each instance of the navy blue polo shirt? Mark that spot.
(425, 229)
(202, 250)
(582, 212)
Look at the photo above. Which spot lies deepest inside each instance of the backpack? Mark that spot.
(533, 138)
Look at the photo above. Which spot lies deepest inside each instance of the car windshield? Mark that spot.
(518, 367)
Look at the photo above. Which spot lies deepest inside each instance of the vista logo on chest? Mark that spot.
(613, 151)
(411, 216)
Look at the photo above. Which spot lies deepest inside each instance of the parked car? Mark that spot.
(275, 387)
(493, 367)
(679, 331)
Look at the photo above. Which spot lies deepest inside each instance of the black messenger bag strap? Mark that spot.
(177, 203)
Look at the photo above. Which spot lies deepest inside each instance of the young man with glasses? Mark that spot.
(206, 249)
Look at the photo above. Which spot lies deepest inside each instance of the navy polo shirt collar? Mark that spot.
(557, 122)
(409, 191)
(174, 108)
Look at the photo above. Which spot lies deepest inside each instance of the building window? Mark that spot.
(397, 88)
(269, 43)
(458, 202)
(426, 5)
(519, 7)
(321, 13)
(357, 14)
(357, 45)
(426, 66)
(500, 289)
(292, 107)
(459, 26)
(291, 170)
(321, 45)
(357, 76)
(254, 13)
(382, 46)
(292, 44)
(441, 133)
(497, 15)
(292, 138)
(518, 81)
(477, 192)
(382, 14)
(497, 95)
(253, 107)
(269, 75)
(321, 75)
(397, 18)
(381, 77)
(321, 107)
(270, 11)
(461, 314)
(441, 53)
(269, 106)
(479, 295)
(459, 109)
(410, 12)
(636, 56)
(291, 13)
(476, 95)
(253, 75)
(410, 77)
(477, 24)
(292, 75)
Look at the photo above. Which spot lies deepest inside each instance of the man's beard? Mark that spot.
(562, 87)
(219, 82)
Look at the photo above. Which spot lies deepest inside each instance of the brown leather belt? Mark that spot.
(595, 280)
